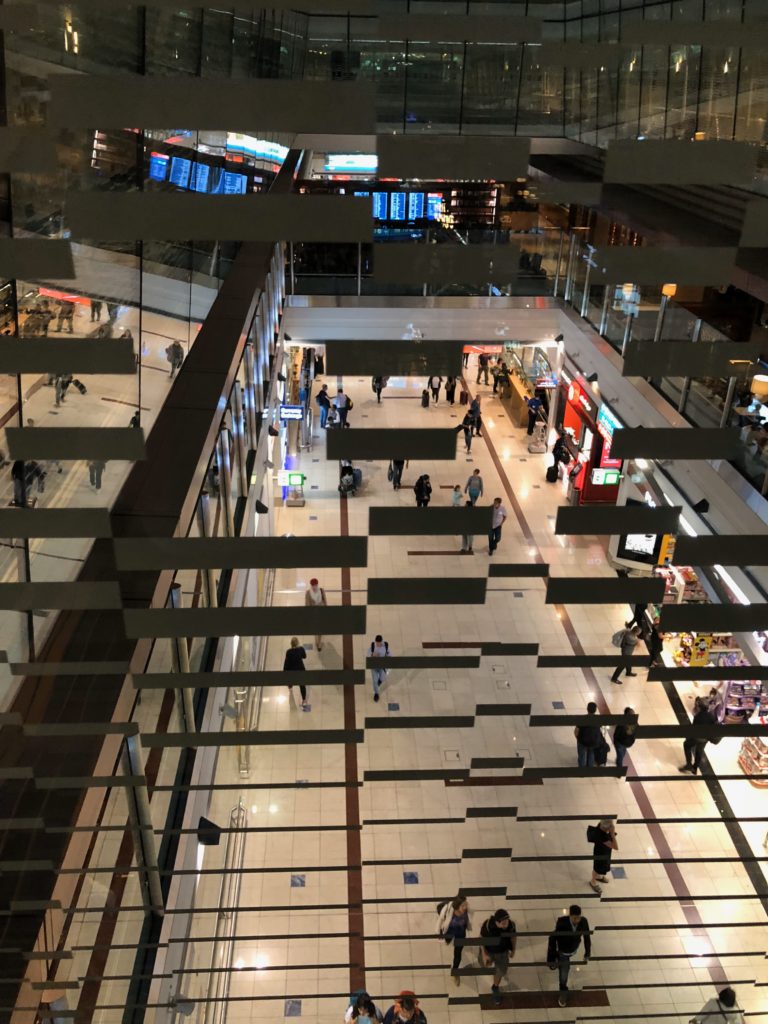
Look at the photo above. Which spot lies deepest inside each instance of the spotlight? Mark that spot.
(273, 431)
(702, 507)
(261, 508)
(282, 378)
(592, 378)
(560, 337)
(208, 832)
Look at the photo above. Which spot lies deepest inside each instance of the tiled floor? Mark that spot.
(653, 925)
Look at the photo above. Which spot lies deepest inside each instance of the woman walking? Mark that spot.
(454, 924)
(450, 390)
(603, 837)
(294, 662)
(474, 486)
(623, 738)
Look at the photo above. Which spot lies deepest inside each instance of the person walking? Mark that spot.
(534, 404)
(174, 354)
(500, 929)
(623, 738)
(96, 305)
(397, 473)
(405, 1010)
(342, 407)
(19, 478)
(563, 943)
(482, 367)
(467, 425)
(294, 662)
(721, 1009)
(454, 923)
(587, 739)
(135, 420)
(378, 386)
(638, 616)
(474, 487)
(467, 539)
(500, 376)
(603, 838)
(693, 747)
(66, 315)
(61, 384)
(315, 598)
(96, 468)
(628, 642)
(434, 386)
(450, 390)
(456, 496)
(498, 518)
(655, 641)
(379, 649)
(322, 399)
(465, 358)
(362, 1009)
(423, 491)
(474, 411)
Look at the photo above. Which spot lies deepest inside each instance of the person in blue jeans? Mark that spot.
(498, 515)
(379, 649)
(587, 739)
(324, 402)
(563, 943)
(474, 487)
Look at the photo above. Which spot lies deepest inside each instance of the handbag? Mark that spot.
(390, 473)
(595, 834)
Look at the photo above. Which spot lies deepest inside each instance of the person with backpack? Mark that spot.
(379, 649)
(474, 487)
(563, 943)
(587, 739)
(362, 1009)
(423, 491)
(323, 400)
(433, 384)
(453, 923)
(603, 839)
(500, 930)
(721, 1009)
(627, 640)
(315, 598)
(623, 738)
(693, 747)
(294, 662)
(405, 1010)
(343, 405)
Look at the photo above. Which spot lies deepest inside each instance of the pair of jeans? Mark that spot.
(342, 415)
(435, 394)
(473, 496)
(467, 541)
(457, 951)
(468, 438)
(397, 475)
(620, 754)
(323, 416)
(563, 970)
(378, 675)
(422, 502)
(693, 750)
(493, 539)
(586, 755)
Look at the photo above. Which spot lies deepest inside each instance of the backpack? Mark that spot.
(618, 637)
(350, 405)
(595, 834)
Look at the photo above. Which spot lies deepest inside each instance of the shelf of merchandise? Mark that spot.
(753, 758)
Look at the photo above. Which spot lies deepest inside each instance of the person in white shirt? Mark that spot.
(499, 514)
(314, 597)
(342, 406)
(379, 649)
(720, 1010)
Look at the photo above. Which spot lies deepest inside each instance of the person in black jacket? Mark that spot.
(605, 842)
(501, 930)
(587, 739)
(294, 662)
(655, 642)
(693, 747)
(638, 616)
(434, 384)
(563, 943)
(623, 738)
(423, 491)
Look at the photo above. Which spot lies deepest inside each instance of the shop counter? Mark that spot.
(513, 396)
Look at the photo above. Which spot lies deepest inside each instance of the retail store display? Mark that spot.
(753, 759)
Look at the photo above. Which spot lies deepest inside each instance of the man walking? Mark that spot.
(563, 943)
(379, 649)
(467, 539)
(482, 367)
(342, 407)
(315, 598)
(498, 517)
(96, 468)
(397, 473)
(466, 425)
(474, 487)
(629, 641)
(587, 739)
(693, 747)
(423, 491)
(322, 399)
(500, 932)
(474, 412)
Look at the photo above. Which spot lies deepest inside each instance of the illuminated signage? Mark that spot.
(577, 397)
(351, 163)
(605, 477)
(607, 424)
(259, 149)
(291, 412)
(285, 478)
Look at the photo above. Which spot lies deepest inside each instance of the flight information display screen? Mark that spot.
(397, 203)
(158, 166)
(415, 206)
(199, 177)
(380, 205)
(180, 171)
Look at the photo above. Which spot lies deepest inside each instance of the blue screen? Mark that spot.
(434, 206)
(199, 179)
(397, 206)
(180, 170)
(380, 205)
(158, 166)
(234, 184)
(362, 195)
(415, 205)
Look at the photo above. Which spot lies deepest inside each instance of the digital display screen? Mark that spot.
(397, 206)
(640, 543)
(640, 547)
(361, 195)
(180, 170)
(380, 205)
(434, 205)
(158, 166)
(355, 163)
(199, 178)
(234, 184)
(415, 206)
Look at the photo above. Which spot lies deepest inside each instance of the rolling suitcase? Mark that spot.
(463, 398)
(552, 474)
(80, 386)
(424, 399)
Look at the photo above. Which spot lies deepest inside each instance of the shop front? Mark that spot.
(594, 475)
